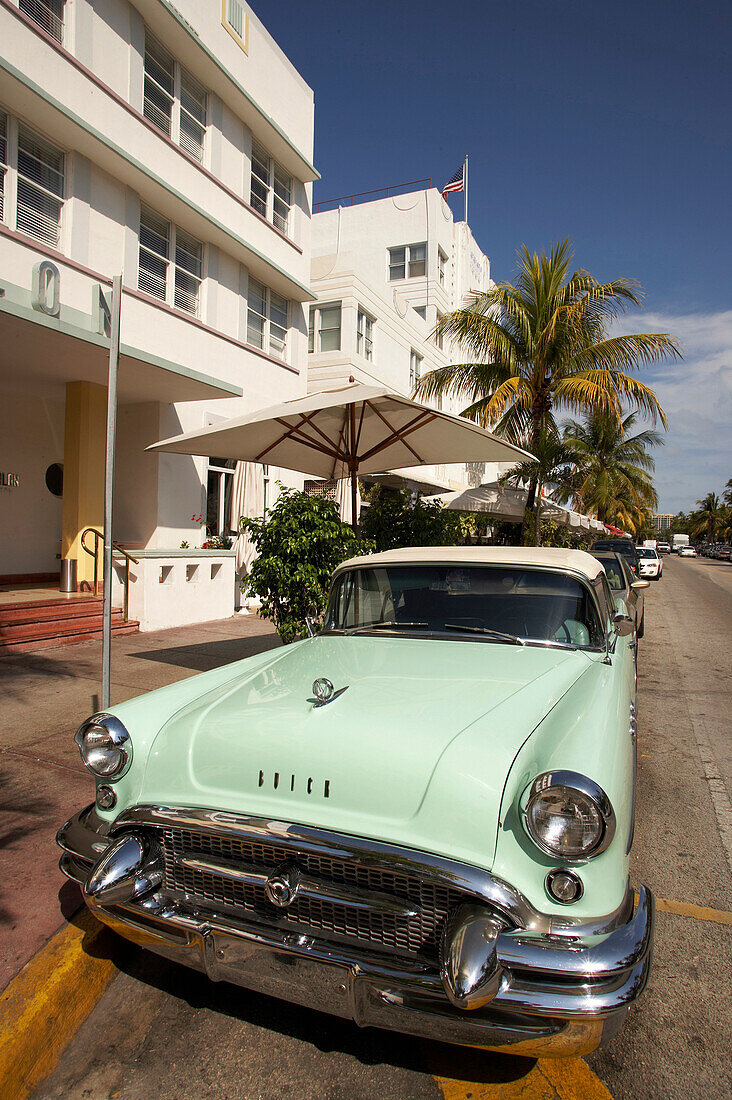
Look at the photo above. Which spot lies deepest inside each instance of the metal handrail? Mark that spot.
(98, 537)
(348, 200)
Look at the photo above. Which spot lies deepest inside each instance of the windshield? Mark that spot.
(646, 552)
(497, 603)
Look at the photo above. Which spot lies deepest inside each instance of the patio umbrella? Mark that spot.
(247, 499)
(345, 503)
(493, 499)
(346, 430)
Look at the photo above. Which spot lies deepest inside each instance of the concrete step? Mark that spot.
(12, 614)
(10, 632)
(29, 645)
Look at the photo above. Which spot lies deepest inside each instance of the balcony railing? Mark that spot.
(48, 15)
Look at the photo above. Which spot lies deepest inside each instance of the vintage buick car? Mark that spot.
(419, 818)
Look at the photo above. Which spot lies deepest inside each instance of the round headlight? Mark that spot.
(568, 815)
(105, 746)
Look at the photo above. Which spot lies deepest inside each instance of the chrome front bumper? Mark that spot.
(558, 994)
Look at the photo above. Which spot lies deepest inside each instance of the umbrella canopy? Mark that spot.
(502, 502)
(347, 430)
(247, 499)
(493, 499)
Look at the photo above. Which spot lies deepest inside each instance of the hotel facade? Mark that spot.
(172, 145)
(384, 272)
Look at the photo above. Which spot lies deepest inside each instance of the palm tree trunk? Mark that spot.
(537, 521)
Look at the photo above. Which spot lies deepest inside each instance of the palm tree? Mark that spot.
(553, 464)
(727, 493)
(542, 344)
(708, 519)
(612, 474)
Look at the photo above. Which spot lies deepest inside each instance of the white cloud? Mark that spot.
(696, 394)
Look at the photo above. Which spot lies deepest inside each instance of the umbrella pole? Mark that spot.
(353, 467)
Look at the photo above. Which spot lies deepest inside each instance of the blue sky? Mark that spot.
(609, 124)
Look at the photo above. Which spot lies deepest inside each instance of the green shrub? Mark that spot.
(299, 544)
(397, 519)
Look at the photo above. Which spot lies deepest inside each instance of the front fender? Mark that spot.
(588, 731)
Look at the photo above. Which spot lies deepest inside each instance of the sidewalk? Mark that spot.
(44, 697)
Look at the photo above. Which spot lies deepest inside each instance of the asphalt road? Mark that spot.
(165, 1031)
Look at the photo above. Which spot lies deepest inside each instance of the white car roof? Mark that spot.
(573, 561)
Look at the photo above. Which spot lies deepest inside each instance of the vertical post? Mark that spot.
(109, 490)
(353, 467)
(465, 187)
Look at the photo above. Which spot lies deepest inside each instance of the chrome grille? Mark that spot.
(395, 934)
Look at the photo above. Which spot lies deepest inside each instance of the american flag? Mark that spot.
(456, 182)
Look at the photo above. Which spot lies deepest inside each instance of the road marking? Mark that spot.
(698, 912)
(42, 1008)
(547, 1079)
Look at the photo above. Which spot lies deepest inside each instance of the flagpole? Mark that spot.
(465, 173)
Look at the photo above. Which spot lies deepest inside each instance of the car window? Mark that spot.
(616, 575)
(646, 552)
(532, 604)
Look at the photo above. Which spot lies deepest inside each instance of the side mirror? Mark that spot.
(623, 624)
(641, 584)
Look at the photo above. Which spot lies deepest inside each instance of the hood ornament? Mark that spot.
(324, 692)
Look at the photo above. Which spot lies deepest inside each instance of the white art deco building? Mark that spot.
(172, 144)
(384, 272)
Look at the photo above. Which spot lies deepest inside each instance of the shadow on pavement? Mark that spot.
(326, 1033)
(208, 655)
(20, 816)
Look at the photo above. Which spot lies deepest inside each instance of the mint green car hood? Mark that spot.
(415, 751)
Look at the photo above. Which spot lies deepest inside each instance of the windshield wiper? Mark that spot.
(387, 625)
(499, 634)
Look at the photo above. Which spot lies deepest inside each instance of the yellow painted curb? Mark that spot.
(548, 1079)
(44, 1005)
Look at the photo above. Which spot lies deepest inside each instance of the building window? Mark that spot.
(178, 282)
(271, 189)
(174, 101)
(40, 188)
(267, 319)
(421, 311)
(407, 262)
(441, 266)
(364, 336)
(219, 483)
(48, 14)
(235, 21)
(415, 369)
(3, 160)
(439, 340)
(324, 328)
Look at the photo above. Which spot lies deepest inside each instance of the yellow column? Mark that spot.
(85, 434)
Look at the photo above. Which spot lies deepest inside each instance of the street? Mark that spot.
(161, 1030)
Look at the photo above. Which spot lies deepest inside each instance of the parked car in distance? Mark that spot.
(419, 818)
(687, 552)
(627, 589)
(663, 547)
(724, 553)
(626, 547)
(649, 561)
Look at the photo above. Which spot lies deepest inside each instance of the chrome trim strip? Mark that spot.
(312, 888)
(497, 893)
